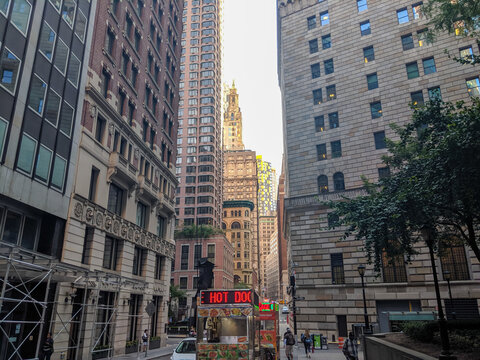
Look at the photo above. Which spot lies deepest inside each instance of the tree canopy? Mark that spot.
(460, 17)
(434, 186)
(197, 231)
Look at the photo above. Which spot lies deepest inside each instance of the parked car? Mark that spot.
(186, 350)
(285, 309)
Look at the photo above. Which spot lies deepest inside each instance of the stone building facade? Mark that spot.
(282, 241)
(121, 218)
(267, 187)
(346, 71)
(44, 50)
(218, 250)
(232, 121)
(238, 227)
(267, 225)
(199, 160)
(272, 269)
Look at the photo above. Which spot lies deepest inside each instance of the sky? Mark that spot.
(250, 58)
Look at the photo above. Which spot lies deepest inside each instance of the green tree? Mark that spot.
(460, 17)
(433, 193)
(197, 231)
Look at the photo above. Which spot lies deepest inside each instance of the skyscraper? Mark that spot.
(355, 70)
(232, 123)
(199, 152)
(267, 187)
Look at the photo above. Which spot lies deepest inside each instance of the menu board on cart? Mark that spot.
(223, 351)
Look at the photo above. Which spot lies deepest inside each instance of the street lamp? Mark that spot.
(448, 276)
(361, 271)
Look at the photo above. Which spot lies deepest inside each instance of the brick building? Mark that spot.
(347, 69)
(199, 160)
(217, 250)
(121, 217)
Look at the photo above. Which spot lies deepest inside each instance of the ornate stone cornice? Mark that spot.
(93, 215)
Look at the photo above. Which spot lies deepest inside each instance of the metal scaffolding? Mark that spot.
(23, 274)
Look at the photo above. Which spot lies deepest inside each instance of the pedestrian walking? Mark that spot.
(145, 340)
(350, 348)
(307, 343)
(289, 342)
(47, 348)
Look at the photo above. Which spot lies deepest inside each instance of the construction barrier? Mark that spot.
(340, 342)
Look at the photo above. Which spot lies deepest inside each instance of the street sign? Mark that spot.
(150, 309)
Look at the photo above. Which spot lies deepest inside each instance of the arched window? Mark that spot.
(246, 213)
(224, 226)
(322, 182)
(236, 225)
(338, 181)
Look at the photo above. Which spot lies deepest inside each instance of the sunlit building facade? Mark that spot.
(267, 187)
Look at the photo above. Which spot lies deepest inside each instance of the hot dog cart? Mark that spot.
(269, 328)
(228, 325)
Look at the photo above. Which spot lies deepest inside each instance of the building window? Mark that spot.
(317, 96)
(336, 147)
(473, 86)
(3, 134)
(44, 161)
(326, 42)
(311, 22)
(333, 120)
(46, 41)
(338, 276)
(111, 253)
(58, 174)
(105, 83)
(422, 37)
(393, 269)
(134, 317)
(92, 191)
(383, 172)
(417, 98)
(368, 54)
(100, 129)
(328, 66)
(365, 28)
(87, 245)
(115, 199)
(109, 41)
(313, 46)
(417, 10)
(80, 26)
(184, 257)
(61, 56)
(407, 42)
(159, 267)
(412, 70)
(379, 138)
(139, 256)
(338, 181)
(434, 93)
(9, 67)
(66, 119)
(52, 108)
(198, 252)
(321, 152)
(315, 69)
(322, 183)
(376, 109)
(362, 5)
(68, 11)
(36, 99)
(331, 92)
(183, 283)
(26, 154)
(429, 66)
(402, 16)
(319, 123)
(454, 260)
(324, 18)
(142, 215)
(372, 81)
(211, 253)
(466, 53)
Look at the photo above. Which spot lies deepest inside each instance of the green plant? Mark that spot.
(101, 347)
(155, 338)
(423, 331)
(131, 343)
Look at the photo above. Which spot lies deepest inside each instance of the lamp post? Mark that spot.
(448, 276)
(361, 271)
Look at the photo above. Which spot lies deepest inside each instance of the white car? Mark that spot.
(186, 350)
(285, 310)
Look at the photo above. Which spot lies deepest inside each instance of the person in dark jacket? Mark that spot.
(47, 347)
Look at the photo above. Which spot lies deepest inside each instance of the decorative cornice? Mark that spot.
(94, 215)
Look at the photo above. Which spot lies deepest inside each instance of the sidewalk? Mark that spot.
(333, 353)
(151, 354)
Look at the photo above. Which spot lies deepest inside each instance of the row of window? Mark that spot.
(197, 255)
(190, 221)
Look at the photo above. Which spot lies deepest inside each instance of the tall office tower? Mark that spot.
(232, 123)
(238, 227)
(44, 46)
(267, 225)
(199, 159)
(355, 70)
(267, 187)
(272, 277)
(240, 181)
(121, 218)
(282, 242)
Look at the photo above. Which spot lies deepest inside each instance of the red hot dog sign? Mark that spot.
(226, 297)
